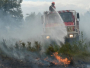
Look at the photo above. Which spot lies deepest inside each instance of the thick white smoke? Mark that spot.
(84, 25)
(30, 31)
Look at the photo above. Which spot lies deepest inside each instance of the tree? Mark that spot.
(32, 17)
(11, 11)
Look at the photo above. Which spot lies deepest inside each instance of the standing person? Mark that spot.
(52, 7)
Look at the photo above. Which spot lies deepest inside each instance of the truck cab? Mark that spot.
(70, 19)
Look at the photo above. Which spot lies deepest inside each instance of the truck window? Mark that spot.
(67, 16)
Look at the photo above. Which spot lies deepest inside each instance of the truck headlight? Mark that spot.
(71, 36)
(47, 37)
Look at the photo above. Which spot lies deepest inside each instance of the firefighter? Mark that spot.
(52, 7)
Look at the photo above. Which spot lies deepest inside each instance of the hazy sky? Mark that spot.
(80, 6)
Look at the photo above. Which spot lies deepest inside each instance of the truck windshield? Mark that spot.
(67, 16)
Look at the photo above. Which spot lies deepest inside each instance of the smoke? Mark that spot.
(84, 25)
(31, 31)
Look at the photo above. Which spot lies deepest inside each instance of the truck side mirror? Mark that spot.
(78, 15)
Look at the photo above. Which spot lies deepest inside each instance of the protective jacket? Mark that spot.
(51, 8)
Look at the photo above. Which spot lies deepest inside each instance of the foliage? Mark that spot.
(10, 10)
(35, 48)
(32, 17)
(77, 49)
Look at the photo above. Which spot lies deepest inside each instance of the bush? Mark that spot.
(36, 47)
(76, 49)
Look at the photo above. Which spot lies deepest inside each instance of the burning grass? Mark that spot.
(61, 61)
(63, 55)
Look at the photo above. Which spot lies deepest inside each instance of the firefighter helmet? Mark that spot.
(53, 2)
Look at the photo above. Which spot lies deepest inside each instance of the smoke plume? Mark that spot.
(30, 31)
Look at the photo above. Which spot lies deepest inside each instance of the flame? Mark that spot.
(60, 60)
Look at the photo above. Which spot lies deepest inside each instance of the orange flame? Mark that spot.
(64, 61)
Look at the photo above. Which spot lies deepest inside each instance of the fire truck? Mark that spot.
(70, 19)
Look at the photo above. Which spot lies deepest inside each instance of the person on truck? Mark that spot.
(52, 7)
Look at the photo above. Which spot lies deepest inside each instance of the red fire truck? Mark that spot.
(70, 19)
